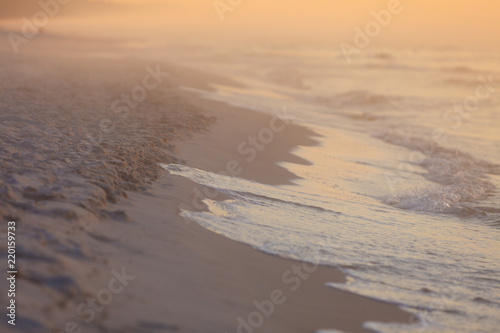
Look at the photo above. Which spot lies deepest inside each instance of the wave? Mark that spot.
(289, 76)
(356, 98)
(383, 55)
(361, 98)
(372, 64)
(234, 187)
(363, 116)
(438, 199)
(460, 179)
(461, 82)
(459, 69)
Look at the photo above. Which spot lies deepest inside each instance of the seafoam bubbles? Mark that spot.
(458, 177)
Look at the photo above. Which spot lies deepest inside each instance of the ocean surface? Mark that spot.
(402, 191)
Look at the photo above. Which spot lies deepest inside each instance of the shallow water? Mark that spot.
(403, 191)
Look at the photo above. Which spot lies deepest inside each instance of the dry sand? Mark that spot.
(84, 216)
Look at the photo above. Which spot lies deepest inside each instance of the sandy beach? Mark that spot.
(249, 166)
(96, 215)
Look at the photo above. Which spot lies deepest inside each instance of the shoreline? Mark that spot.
(254, 275)
(81, 235)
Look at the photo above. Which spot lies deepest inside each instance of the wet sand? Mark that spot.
(99, 223)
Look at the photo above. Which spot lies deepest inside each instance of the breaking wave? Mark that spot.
(460, 180)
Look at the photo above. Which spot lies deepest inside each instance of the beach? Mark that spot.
(245, 166)
(98, 217)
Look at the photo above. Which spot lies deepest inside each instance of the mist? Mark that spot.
(426, 23)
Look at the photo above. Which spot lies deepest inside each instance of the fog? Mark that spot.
(423, 23)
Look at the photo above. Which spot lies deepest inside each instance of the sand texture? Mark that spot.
(88, 213)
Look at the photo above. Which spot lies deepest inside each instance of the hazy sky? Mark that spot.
(420, 23)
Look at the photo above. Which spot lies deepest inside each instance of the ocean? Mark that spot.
(402, 191)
